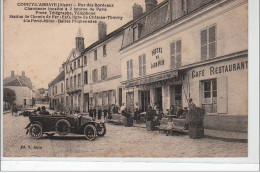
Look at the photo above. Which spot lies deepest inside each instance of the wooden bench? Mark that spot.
(116, 119)
(174, 125)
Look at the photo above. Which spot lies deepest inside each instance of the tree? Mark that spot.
(9, 96)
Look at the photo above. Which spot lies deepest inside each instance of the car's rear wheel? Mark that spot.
(62, 127)
(90, 132)
(35, 131)
(102, 130)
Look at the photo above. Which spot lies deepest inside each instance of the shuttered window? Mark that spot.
(104, 50)
(208, 43)
(75, 81)
(209, 101)
(104, 72)
(75, 65)
(94, 75)
(95, 55)
(85, 60)
(79, 79)
(129, 65)
(86, 77)
(78, 63)
(142, 65)
(176, 54)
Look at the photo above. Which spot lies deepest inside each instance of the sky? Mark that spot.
(39, 49)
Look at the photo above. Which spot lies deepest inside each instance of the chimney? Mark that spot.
(12, 73)
(102, 30)
(23, 73)
(137, 11)
(150, 4)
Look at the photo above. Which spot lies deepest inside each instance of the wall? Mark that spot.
(231, 28)
(21, 94)
(232, 87)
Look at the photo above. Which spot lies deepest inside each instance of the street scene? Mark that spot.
(119, 141)
(168, 81)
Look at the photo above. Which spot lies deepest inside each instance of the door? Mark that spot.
(86, 103)
(178, 96)
(145, 100)
(130, 100)
(159, 97)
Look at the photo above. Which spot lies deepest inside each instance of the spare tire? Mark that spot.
(62, 127)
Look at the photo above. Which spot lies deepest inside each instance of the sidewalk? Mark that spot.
(217, 134)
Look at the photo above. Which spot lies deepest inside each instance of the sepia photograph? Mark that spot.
(125, 79)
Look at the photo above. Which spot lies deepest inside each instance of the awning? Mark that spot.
(162, 76)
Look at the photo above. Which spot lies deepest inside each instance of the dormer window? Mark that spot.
(104, 50)
(137, 31)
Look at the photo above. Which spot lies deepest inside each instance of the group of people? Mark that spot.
(106, 111)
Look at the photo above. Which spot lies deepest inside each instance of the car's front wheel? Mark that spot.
(35, 131)
(90, 132)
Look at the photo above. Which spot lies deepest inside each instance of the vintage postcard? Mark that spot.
(125, 79)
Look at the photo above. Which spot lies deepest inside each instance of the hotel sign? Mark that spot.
(152, 79)
(158, 60)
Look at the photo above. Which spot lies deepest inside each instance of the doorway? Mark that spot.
(158, 99)
(130, 100)
(86, 103)
(145, 100)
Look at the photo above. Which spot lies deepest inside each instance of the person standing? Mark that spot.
(99, 113)
(94, 113)
(105, 113)
(90, 112)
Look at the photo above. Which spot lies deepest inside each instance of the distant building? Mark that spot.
(42, 94)
(24, 90)
(56, 92)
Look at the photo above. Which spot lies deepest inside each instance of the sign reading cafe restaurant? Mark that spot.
(214, 70)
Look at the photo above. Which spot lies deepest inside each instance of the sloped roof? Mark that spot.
(17, 81)
(79, 34)
(59, 78)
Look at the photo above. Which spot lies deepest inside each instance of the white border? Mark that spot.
(141, 164)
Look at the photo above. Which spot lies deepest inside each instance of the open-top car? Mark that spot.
(63, 125)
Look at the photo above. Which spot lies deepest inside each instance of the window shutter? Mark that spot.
(105, 73)
(172, 55)
(178, 50)
(140, 66)
(127, 66)
(144, 64)
(212, 42)
(131, 68)
(222, 95)
(203, 38)
(194, 89)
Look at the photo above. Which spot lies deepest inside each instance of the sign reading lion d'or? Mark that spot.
(158, 60)
(214, 70)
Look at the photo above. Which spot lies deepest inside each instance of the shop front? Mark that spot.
(221, 89)
(153, 90)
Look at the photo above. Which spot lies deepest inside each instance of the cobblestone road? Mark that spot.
(118, 142)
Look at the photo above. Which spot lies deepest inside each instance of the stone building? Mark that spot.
(57, 93)
(175, 50)
(183, 49)
(24, 90)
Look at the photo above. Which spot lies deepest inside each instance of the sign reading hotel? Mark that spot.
(158, 60)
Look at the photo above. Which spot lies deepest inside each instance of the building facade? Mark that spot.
(101, 70)
(23, 88)
(176, 50)
(199, 51)
(57, 93)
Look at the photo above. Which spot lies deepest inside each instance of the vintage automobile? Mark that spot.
(63, 125)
